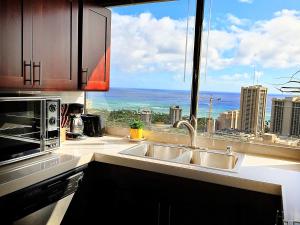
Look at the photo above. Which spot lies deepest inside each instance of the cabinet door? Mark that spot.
(112, 196)
(55, 39)
(212, 204)
(11, 61)
(136, 207)
(195, 211)
(96, 26)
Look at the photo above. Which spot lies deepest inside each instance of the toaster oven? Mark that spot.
(29, 126)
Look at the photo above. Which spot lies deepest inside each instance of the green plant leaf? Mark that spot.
(136, 124)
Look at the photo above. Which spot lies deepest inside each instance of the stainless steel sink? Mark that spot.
(219, 160)
(213, 159)
(156, 151)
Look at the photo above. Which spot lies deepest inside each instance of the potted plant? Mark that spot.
(136, 129)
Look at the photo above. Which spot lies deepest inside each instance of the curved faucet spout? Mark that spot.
(191, 129)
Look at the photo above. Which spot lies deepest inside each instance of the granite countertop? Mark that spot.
(273, 176)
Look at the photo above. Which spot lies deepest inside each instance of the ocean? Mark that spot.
(161, 100)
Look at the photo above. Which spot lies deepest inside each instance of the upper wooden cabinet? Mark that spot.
(109, 3)
(96, 36)
(11, 59)
(54, 45)
(39, 44)
(57, 45)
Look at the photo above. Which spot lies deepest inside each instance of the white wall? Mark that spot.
(68, 97)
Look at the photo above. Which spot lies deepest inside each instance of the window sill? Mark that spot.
(262, 149)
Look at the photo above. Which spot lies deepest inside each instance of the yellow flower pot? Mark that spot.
(136, 133)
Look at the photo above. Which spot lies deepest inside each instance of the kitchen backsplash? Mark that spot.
(68, 97)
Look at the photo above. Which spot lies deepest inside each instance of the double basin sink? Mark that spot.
(219, 160)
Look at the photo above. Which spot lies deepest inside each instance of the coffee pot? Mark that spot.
(75, 122)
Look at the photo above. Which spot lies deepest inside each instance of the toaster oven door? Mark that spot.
(21, 129)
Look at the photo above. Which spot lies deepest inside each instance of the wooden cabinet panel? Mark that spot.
(27, 44)
(40, 48)
(122, 195)
(96, 27)
(11, 61)
(135, 207)
(39, 44)
(55, 29)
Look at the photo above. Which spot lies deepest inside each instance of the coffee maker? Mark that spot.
(76, 125)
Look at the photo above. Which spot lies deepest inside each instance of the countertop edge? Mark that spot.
(88, 152)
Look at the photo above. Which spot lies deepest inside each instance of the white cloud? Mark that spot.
(227, 82)
(235, 77)
(246, 1)
(286, 12)
(219, 43)
(232, 19)
(273, 43)
(258, 74)
(143, 43)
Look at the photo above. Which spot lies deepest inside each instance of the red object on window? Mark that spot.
(99, 77)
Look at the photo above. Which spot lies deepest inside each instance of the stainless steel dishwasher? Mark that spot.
(43, 203)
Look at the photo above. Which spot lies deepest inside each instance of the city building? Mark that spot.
(269, 138)
(228, 120)
(285, 116)
(175, 114)
(146, 116)
(253, 109)
(211, 126)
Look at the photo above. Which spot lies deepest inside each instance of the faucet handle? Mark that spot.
(229, 150)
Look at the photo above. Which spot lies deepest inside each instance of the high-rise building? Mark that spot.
(211, 126)
(285, 116)
(228, 120)
(175, 114)
(253, 109)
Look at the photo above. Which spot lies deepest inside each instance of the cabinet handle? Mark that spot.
(39, 65)
(170, 208)
(279, 218)
(84, 71)
(30, 74)
(158, 214)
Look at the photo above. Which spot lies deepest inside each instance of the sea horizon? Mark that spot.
(160, 100)
(229, 92)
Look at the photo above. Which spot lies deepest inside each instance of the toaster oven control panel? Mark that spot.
(52, 124)
(52, 115)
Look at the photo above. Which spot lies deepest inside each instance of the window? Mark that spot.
(251, 50)
(151, 64)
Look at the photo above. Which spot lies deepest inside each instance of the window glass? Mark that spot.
(249, 71)
(151, 65)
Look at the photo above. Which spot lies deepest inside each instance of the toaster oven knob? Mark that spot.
(52, 108)
(52, 121)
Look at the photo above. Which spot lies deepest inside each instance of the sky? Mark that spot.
(249, 42)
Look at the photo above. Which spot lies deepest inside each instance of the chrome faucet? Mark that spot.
(192, 129)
